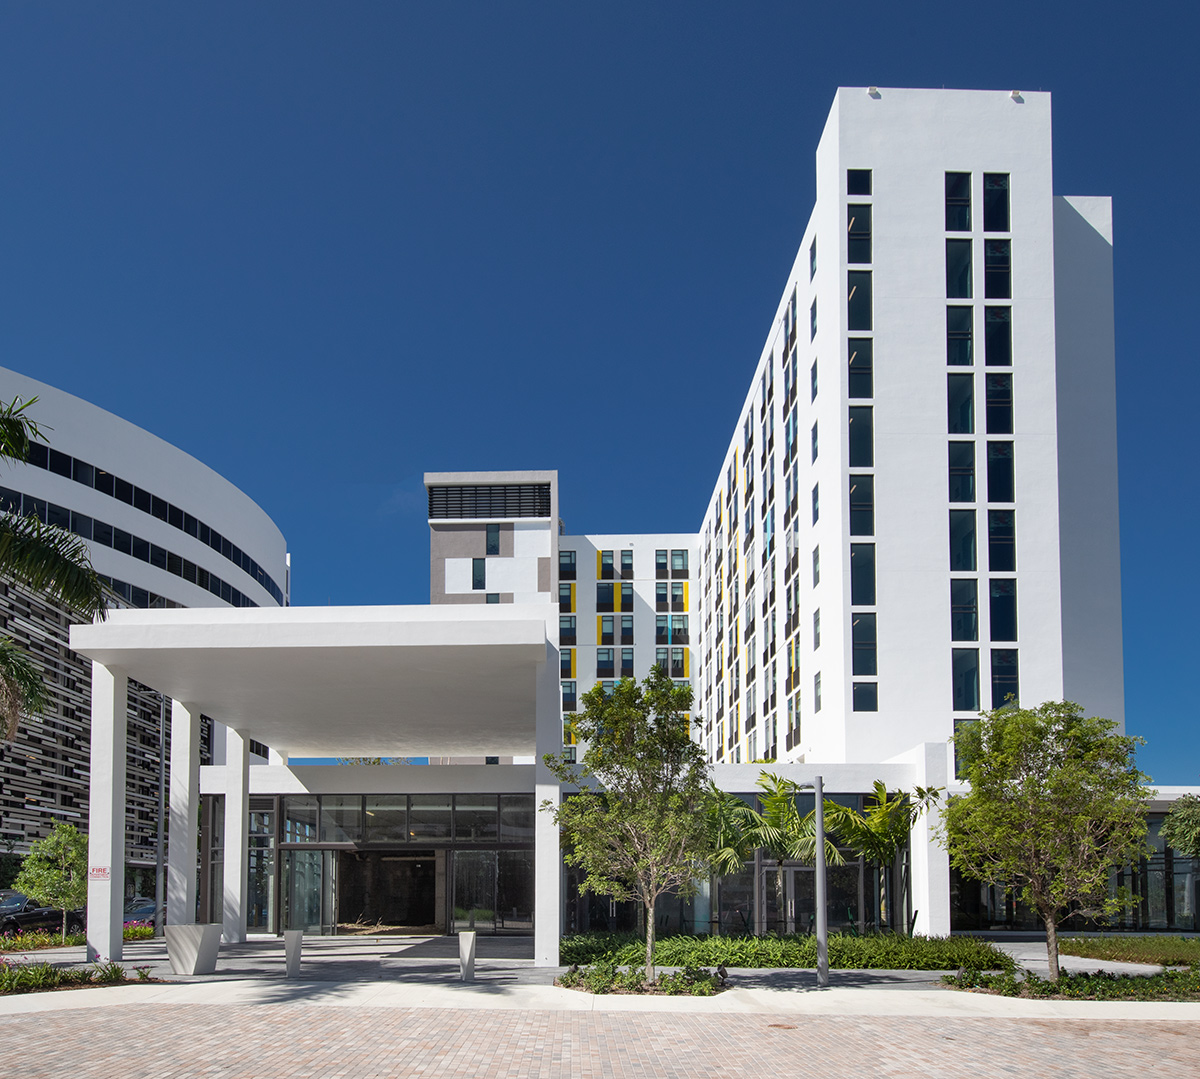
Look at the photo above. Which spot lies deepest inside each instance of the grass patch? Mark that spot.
(605, 976)
(1171, 985)
(1164, 951)
(38, 977)
(880, 951)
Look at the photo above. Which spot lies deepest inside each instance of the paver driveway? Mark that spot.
(288, 1041)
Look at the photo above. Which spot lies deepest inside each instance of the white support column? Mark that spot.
(184, 814)
(106, 816)
(547, 857)
(277, 756)
(930, 861)
(237, 828)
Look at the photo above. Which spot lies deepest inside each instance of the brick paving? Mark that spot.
(294, 1041)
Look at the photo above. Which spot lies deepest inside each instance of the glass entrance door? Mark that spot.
(474, 899)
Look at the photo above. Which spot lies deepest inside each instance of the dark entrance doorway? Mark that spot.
(384, 887)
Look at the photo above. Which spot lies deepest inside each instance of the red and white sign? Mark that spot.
(99, 872)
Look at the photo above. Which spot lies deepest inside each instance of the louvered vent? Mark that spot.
(491, 500)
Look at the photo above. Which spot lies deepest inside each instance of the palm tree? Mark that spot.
(44, 558)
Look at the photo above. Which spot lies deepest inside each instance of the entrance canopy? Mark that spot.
(344, 681)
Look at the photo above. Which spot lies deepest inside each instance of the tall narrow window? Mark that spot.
(864, 645)
(997, 336)
(1002, 541)
(858, 228)
(604, 597)
(626, 628)
(862, 505)
(861, 366)
(962, 541)
(1001, 483)
(995, 202)
(816, 502)
(862, 574)
(958, 202)
(606, 565)
(817, 692)
(812, 321)
(566, 629)
(960, 404)
(962, 471)
(964, 609)
(812, 377)
(814, 441)
(997, 269)
(862, 437)
(964, 665)
(626, 662)
(816, 566)
(1003, 610)
(999, 404)
(812, 259)
(858, 299)
(566, 565)
(627, 564)
(660, 561)
(1005, 683)
(958, 269)
(493, 539)
(626, 596)
(566, 596)
(478, 573)
(858, 181)
(606, 629)
(959, 336)
(816, 629)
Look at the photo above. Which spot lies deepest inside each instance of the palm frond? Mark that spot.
(51, 561)
(21, 689)
(17, 430)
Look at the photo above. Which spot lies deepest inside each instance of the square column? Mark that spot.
(106, 816)
(237, 829)
(184, 808)
(930, 860)
(547, 849)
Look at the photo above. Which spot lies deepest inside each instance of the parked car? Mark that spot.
(18, 913)
(141, 909)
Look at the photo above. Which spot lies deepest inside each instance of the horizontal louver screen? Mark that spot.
(491, 500)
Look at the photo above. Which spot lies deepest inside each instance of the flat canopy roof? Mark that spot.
(343, 681)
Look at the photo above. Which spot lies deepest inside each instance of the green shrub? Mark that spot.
(1164, 951)
(33, 977)
(34, 939)
(138, 931)
(1170, 985)
(605, 976)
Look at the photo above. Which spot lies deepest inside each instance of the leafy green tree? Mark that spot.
(45, 558)
(1055, 802)
(55, 871)
(374, 760)
(1181, 827)
(638, 827)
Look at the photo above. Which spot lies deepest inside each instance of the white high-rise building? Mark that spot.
(917, 515)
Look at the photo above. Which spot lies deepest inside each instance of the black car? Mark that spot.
(19, 913)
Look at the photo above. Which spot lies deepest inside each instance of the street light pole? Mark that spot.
(822, 904)
(162, 807)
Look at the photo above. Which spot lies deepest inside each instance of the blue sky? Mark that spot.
(326, 247)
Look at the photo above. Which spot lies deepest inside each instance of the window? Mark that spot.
(493, 597)
(1001, 481)
(862, 506)
(816, 629)
(816, 502)
(861, 366)
(662, 628)
(606, 565)
(493, 539)
(626, 662)
(999, 404)
(858, 181)
(679, 562)
(960, 404)
(858, 229)
(626, 564)
(566, 565)
(862, 574)
(605, 666)
(816, 560)
(964, 609)
(812, 376)
(858, 299)
(817, 692)
(660, 562)
(1002, 541)
(1003, 613)
(626, 597)
(478, 572)
(997, 269)
(679, 628)
(958, 269)
(862, 437)
(566, 596)
(997, 340)
(962, 540)
(606, 629)
(958, 202)
(959, 336)
(862, 634)
(678, 667)
(604, 597)
(964, 664)
(568, 696)
(995, 202)
(566, 662)
(566, 629)
(814, 441)
(627, 628)
(661, 595)
(1004, 677)
(962, 471)
(662, 659)
(865, 696)
(677, 595)
(812, 260)
(812, 321)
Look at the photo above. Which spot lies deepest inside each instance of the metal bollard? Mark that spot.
(466, 955)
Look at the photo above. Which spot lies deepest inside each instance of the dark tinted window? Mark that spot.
(960, 404)
(862, 505)
(1002, 541)
(858, 181)
(959, 336)
(997, 269)
(858, 304)
(862, 437)
(999, 404)
(862, 574)
(863, 636)
(962, 471)
(866, 697)
(862, 363)
(995, 202)
(493, 540)
(964, 664)
(958, 269)
(997, 340)
(1000, 472)
(962, 540)
(858, 229)
(1004, 676)
(1003, 612)
(964, 610)
(478, 572)
(958, 202)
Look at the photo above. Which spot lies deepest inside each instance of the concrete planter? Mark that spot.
(193, 949)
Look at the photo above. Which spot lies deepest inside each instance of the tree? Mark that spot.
(46, 559)
(881, 831)
(1181, 826)
(638, 826)
(374, 760)
(1055, 802)
(55, 871)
